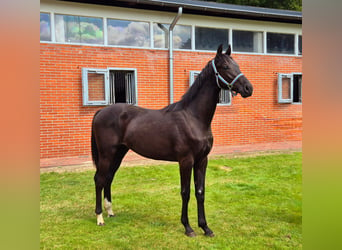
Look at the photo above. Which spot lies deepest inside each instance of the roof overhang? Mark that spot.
(205, 8)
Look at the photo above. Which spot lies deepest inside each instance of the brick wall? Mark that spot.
(96, 87)
(65, 124)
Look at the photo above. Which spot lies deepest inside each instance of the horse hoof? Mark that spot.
(190, 234)
(211, 234)
(101, 224)
(111, 215)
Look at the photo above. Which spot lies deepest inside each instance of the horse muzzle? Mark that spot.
(245, 89)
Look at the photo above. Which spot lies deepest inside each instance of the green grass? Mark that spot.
(251, 203)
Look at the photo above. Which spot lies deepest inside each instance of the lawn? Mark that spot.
(251, 203)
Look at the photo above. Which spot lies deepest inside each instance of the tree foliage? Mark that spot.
(275, 4)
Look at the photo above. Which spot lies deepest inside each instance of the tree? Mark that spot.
(275, 4)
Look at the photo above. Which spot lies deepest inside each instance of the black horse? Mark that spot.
(179, 132)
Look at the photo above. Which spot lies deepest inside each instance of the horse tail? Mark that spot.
(94, 151)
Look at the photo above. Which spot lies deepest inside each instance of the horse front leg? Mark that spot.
(185, 176)
(199, 179)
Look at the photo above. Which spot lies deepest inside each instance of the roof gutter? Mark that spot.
(215, 9)
(172, 25)
(206, 8)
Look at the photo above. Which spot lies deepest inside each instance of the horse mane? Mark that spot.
(192, 91)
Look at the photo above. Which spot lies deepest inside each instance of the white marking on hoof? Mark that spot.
(108, 207)
(100, 221)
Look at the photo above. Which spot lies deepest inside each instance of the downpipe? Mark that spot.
(172, 25)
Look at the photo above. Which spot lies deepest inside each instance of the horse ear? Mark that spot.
(229, 50)
(219, 49)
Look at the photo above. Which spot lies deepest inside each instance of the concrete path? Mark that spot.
(83, 163)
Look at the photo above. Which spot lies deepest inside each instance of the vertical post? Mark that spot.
(172, 25)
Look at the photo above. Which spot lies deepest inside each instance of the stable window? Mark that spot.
(247, 41)
(122, 86)
(224, 96)
(210, 38)
(290, 88)
(79, 29)
(300, 45)
(278, 43)
(181, 36)
(105, 87)
(128, 33)
(297, 88)
(45, 27)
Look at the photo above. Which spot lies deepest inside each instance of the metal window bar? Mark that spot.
(127, 88)
(130, 90)
(224, 96)
(112, 88)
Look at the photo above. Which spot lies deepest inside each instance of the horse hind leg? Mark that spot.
(114, 166)
(100, 182)
(103, 178)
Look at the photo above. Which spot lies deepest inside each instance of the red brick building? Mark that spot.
(92, 55)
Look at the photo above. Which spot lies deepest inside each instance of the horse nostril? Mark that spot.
(247, 88)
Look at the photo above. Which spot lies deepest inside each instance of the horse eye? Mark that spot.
(225, 67)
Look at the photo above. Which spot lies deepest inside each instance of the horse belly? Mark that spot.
(152, 143)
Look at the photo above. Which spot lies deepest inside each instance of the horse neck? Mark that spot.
(204, 100)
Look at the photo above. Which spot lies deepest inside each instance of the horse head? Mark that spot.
(228, 74)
